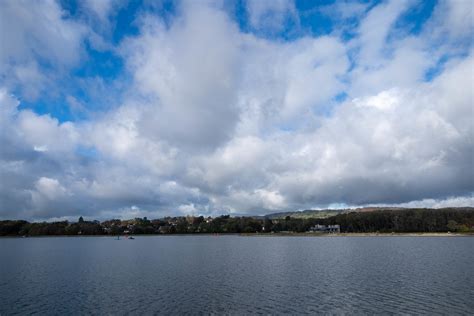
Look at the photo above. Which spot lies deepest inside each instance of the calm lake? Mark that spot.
(237, 275)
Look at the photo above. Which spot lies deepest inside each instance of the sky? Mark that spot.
(123, 109)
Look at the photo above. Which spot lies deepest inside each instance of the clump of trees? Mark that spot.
(401, 221)
(24, 228)
(406, 220)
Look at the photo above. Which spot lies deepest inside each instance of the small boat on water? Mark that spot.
(131, 237)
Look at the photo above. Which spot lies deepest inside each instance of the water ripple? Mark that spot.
(199, 275)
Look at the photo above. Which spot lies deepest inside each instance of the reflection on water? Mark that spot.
(237, 275)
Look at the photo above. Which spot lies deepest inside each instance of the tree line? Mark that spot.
(406, 220)
(398, 221)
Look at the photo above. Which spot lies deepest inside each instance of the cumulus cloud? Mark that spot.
(190, 71)
(395, 146)
(33, 35)
(217, 120)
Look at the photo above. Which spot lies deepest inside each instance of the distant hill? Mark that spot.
(329, 212)
(307, 214)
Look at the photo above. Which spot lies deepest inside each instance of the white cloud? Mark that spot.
(271, 15)
(217, 120)
(453, 20)
(187, 208)
(467, 201)
(33, 31)
(8, 105)
(344, 9)
(313, 74)
(38, 28)
(102, 8)
(46, 132)
(50, 188)
(190, 71)
(375, 28)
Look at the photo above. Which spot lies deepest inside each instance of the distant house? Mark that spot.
(326, 228)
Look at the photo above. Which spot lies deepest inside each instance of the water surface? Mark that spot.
(237, 275)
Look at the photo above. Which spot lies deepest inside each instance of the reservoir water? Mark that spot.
(237, 275)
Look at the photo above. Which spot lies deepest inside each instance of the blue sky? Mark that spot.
(152, 108)
(309, 18)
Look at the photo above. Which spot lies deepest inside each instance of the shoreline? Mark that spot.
(415, 234)
(361, 235)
